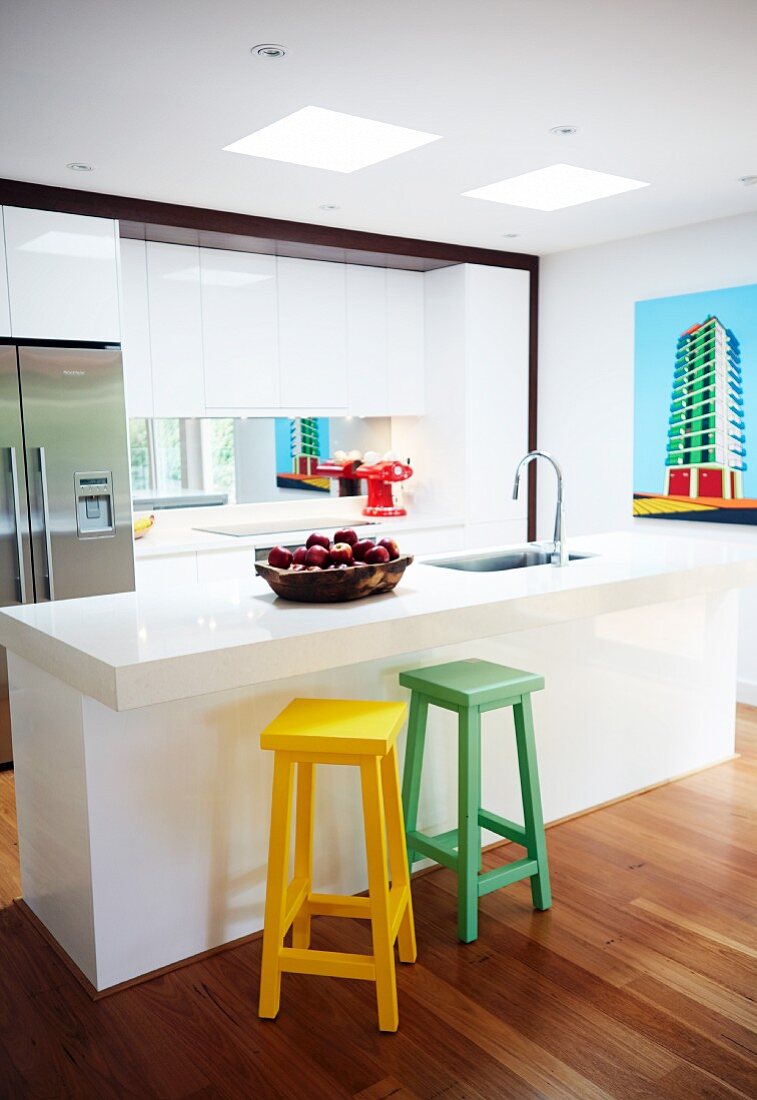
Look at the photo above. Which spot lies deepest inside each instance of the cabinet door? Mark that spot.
(405, 343)
(135, 328)
(366, 341)
(496, 376)
(5, 309)
(173, 284)
(62, 275)
(239, 330)
(312, 335)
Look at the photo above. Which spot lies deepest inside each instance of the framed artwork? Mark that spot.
(695, 379)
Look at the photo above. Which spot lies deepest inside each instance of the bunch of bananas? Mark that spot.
(141, 526)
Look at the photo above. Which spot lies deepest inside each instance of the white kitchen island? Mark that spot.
(143, 797)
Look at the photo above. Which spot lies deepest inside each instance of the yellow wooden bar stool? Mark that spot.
(335, 731)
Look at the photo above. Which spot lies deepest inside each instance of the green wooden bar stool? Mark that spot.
(469, 688)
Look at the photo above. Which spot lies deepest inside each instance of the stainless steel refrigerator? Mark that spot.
(65, 496)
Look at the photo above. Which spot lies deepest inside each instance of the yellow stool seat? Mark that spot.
(335, 726)
(346, 732)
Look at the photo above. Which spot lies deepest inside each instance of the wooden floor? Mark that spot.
(641, 982)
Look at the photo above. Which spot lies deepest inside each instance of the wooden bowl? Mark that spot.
(334, 585)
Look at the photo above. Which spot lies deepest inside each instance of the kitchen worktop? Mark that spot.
(186, 530)
(130, 650)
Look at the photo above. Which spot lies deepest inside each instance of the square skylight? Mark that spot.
(319, 138)
(555, 187)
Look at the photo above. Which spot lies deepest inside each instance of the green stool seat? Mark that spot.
(470, 688)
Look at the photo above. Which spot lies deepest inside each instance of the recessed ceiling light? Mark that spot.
(270, 51)
(748, 181)
(79, 166)
(554, 188)
(319, 138)
(329, 206)
(563, 131)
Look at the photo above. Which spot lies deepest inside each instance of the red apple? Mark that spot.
(341, 553)
(298, 568)
(317, 556)
(377, 556)
(280, 557)
(361, 548)
(391, 546)
(299, 555)
(317, 539)
(346, 534)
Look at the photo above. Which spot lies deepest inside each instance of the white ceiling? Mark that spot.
(149, 92)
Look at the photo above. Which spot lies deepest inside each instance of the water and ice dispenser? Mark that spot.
(94, 504)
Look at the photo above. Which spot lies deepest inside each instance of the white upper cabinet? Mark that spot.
(366, 340)
(239, 330)
(5, 308)
(173, 291)
(406, 379)
(497, 358)
(135, 328)
(212, 332)
(62, 275)
(312, 334)
(385, 346)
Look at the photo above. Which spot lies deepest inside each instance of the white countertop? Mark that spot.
(131, 650)
(175, 530)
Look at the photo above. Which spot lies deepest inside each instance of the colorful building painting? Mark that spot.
(706, 449)
(690, 445)
(301, 443)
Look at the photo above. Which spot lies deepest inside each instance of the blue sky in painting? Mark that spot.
(659, 323)
(283, 455)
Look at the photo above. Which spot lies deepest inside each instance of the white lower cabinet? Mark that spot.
(173, 291)
(62, 274)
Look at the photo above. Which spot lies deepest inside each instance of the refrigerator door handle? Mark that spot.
(46, 521)
(17, 522)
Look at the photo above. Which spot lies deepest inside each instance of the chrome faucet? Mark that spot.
(559, 548)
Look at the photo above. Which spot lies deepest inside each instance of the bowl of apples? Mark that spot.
(328, 570)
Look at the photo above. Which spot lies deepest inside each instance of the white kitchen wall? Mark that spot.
(586, 377)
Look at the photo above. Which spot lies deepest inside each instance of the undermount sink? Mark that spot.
(519, 557)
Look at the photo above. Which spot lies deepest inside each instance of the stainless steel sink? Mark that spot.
(518, 557)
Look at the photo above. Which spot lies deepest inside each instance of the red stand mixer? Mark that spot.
(380, 477)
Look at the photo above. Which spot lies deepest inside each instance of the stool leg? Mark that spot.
(411, 777)
(276, 885)
(378, 889)
(303, 849)
(536, 843)
(398, 865)
(469, 830)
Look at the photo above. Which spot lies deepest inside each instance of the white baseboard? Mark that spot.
(746, 692)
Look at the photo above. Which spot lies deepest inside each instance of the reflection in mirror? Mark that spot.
(183, 463)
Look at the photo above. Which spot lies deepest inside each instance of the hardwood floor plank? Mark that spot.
(639, 984)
